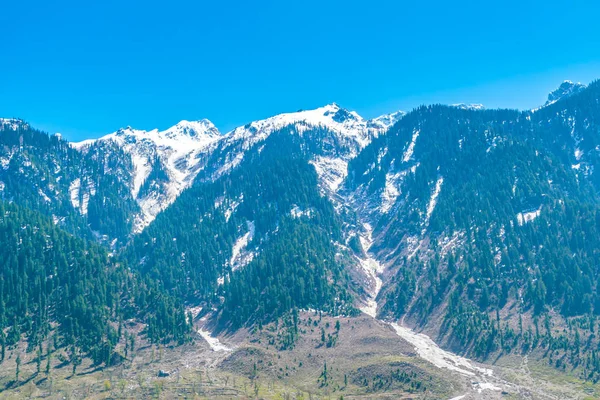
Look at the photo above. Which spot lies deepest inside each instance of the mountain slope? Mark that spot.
(66, 294)
(227, 238)
(85, 194)
(480, 217)
(479, 227)
(164, 162)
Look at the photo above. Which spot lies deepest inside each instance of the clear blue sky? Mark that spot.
(86, 68)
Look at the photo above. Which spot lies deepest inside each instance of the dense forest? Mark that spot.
(56, 286)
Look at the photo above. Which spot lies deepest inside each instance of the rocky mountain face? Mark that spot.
(477, 226)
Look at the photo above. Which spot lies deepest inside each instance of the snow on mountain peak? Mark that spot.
(331, 116)
(178, 149)
(195, 129)
(566, 89)
(353, 133)
(385, 121)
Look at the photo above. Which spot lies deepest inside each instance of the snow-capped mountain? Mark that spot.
(166, 162)
(385, 121)
(332, 117)
(173, 155)
(349, 134)
(566, 89)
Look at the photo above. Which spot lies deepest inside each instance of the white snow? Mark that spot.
(481, 386)
(449, 243)
(232, 207)
(44, 195)
(429, 351)
(213, 342)
(331, 171)
(182, 150)
(528, 216)
(373, 269)
(390, 192)
(297, 212)
(433, 199)
(230, 163)
(386, 121)
(240, 258)
(178, 148)
(352, 133)
(411, 147)
(74, 192)
(464, 106)
(10, 123)
(347, 123)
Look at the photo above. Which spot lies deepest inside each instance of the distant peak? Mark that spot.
(566, 89)
(387, 120)
(201, 122)
(194, 129)
(202, 127)
(334, 106)
(339, 114)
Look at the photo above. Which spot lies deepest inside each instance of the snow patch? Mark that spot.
(240, 258)
(429, 351)
(433, 200)
(411, 147)
(297, 212)
(213, 342)
(43, 195)
(373, 269)
(232, 207)
(481, 386)
(390, 192)
(178, 149)
(74, 188)
(463, 106)
(528, 216)
(331, 171)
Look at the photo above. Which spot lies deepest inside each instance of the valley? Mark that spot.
(450, 252)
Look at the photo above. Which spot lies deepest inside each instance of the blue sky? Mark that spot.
(86, 68)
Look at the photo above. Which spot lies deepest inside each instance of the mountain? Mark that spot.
(566, 89)
(164, 162)
(336, 134)
(479, 217)
(478, 227)
(257, 194)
